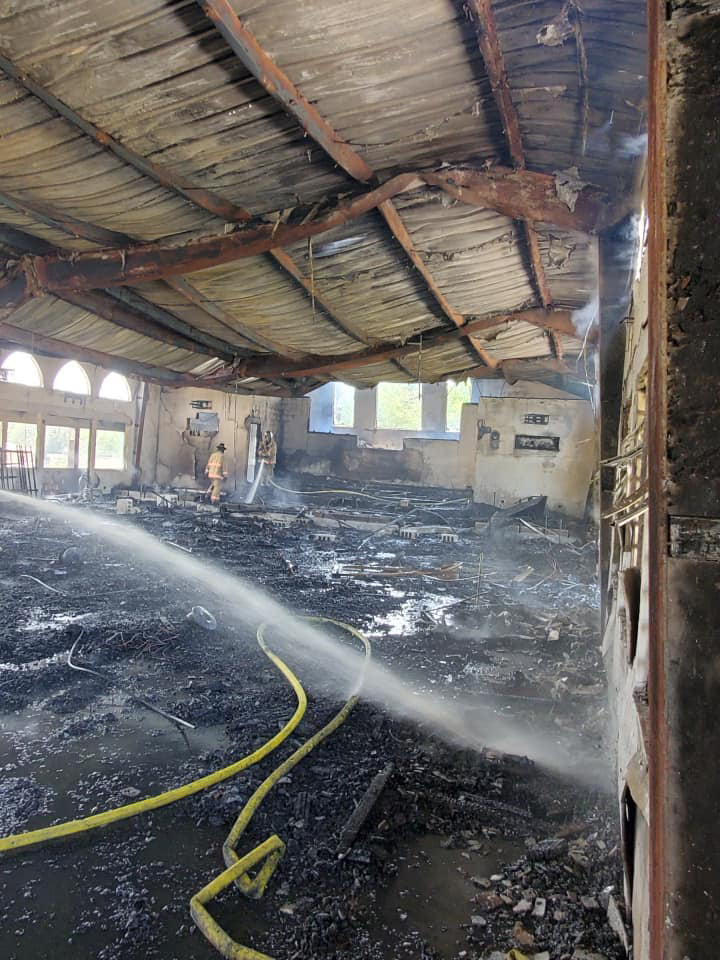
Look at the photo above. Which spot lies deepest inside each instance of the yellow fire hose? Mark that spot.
(21, 841)
(270, 851)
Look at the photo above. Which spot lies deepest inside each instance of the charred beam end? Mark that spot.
(364, 808)
(525, 195)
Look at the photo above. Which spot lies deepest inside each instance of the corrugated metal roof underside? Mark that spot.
(403, 83)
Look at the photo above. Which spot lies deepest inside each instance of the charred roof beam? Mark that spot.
(124, 307)
(558, 321)
(276, 83)
(199, 196)
(491, 52)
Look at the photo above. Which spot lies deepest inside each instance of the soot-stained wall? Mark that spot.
(174, 457)
(465, 460)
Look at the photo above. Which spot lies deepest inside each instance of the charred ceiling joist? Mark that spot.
(511, 192)
(280, 86)
(233, 184)
(205, 199)
(491, 51)
(556, 321)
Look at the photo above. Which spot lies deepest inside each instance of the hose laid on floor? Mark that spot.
(22, 841)
(367, 496)
(268, 854)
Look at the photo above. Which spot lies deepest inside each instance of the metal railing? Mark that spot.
(17, 471)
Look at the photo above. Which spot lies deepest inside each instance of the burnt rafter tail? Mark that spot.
(558, 320)
(511, 192)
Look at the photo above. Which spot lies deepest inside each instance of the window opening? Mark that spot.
(457, 395)
(59, 443)
(399, 406)
(343, 405)
(109, 449)
(71, 378)
(23, 369)
(115, 387)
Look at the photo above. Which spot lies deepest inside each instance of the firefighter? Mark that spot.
(215, 470)
(267, 452)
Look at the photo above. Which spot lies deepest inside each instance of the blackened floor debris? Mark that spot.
(459, 854)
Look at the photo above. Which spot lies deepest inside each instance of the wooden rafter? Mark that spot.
(124, 307)
(491, 52)
(559, 321)
(200, 197)
(276, 82)
(507, 191)
(52, 217)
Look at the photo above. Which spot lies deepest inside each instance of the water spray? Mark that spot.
(467, 723)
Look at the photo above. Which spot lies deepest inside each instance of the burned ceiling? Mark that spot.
(263, 198)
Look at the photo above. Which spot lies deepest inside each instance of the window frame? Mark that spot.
(101, 428)
(116, 373)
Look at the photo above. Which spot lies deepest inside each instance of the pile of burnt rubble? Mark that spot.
(523, 632)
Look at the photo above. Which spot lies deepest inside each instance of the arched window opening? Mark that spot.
(22, 368)
(115, 387)
(71, 378)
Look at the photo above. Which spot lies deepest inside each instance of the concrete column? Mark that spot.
(434, 404)
(365, 409)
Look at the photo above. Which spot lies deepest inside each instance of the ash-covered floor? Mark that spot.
(465, 853)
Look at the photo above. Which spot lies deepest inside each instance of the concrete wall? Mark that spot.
(414, 460)
(462, 460)
(173, 457)
(503, 473)
(43, 406)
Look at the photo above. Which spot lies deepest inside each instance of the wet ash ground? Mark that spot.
(463, 854)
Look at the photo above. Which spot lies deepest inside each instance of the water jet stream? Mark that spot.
(463, 723)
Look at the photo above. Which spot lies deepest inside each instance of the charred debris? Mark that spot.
(117, 681)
